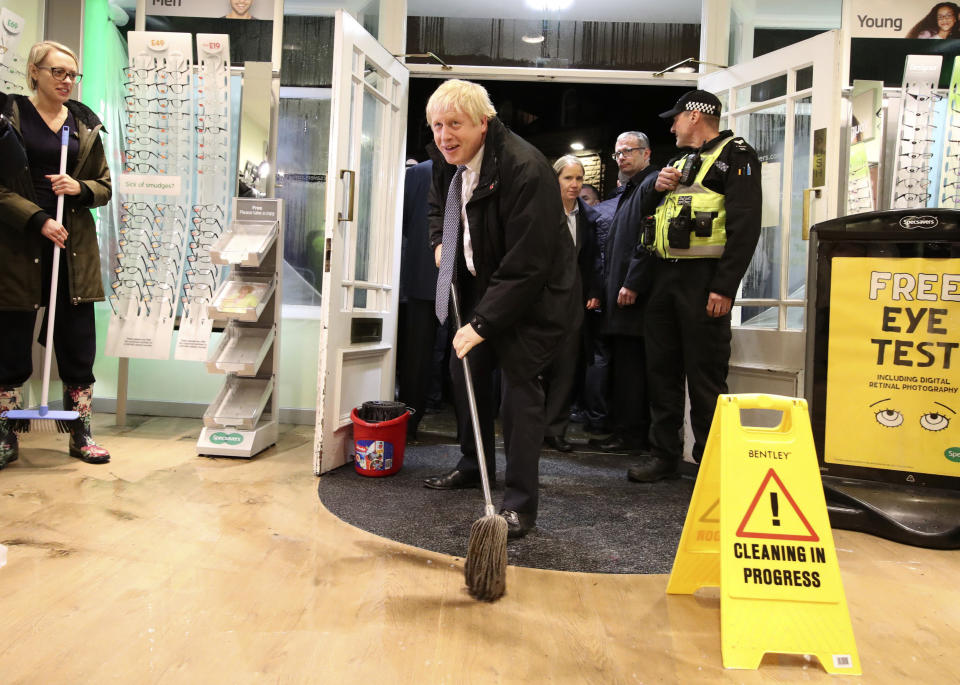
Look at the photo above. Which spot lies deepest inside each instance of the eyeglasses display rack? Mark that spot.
(950, 171)
(917, 132)
(13, 66)
(172, 193)
(859, 188)
(153, 192)
(243, 420)
(212, 191)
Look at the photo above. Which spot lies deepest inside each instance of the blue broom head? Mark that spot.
(42, 413)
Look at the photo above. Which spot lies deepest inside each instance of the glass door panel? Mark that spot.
(781, 103)
(361, 244)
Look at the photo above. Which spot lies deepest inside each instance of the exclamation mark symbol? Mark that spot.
(774, 507)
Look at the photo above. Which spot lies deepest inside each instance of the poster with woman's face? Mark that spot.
(221, 9)
(898, 19)
(250, 24)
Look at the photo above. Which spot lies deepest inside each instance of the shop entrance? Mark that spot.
(787, 105)
(362, 245)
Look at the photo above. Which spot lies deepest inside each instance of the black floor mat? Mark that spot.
(591, 517)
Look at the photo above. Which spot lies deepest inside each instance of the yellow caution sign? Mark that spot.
(757, 526)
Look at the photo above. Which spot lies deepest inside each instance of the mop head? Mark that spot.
(486, 567)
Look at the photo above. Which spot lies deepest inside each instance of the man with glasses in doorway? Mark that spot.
(703, 235)
(627, 274)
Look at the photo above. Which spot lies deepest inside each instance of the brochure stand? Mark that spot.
(243, 419)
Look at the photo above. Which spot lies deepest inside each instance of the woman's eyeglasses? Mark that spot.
(61, 74)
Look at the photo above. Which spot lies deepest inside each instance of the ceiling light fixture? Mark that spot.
(576, 146)
(534, 39)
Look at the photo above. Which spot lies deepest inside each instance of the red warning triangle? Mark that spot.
(711, 515)
(772, 535)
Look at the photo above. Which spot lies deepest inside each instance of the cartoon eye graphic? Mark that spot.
(934, 422)
(890, 418)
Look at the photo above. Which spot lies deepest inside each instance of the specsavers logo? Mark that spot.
(221, 438)
(913, 222)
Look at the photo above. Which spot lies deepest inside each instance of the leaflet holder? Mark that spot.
(242, 297)
(242, 350)
(239, 404)
(891, 471)
(245, 243)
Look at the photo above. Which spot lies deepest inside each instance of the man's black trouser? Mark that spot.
(683, 342)
(629, 404)
(522, 416)
(418, 329)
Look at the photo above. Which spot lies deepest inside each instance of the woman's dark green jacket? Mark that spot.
(21, 243)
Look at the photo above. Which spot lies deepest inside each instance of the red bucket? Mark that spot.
(378, 447)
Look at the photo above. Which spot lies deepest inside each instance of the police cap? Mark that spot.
(695, 101)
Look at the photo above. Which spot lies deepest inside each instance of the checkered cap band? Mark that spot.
(701, 107)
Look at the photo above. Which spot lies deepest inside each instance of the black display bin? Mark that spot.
(907, 506)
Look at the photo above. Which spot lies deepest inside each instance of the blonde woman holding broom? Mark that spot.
(30, 184)
(500, 234)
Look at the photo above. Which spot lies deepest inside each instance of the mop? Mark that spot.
(485, 570)
(42, 419)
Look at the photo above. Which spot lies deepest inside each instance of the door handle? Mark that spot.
(353, 178)
(807, 192)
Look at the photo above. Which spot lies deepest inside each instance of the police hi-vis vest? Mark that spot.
(702, 201)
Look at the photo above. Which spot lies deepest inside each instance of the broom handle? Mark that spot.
(472, 401)
(54, 277)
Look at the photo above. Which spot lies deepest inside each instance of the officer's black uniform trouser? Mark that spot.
(683, 342)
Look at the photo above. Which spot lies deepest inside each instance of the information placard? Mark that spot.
(893, 376)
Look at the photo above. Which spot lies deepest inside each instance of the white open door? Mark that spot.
(364, 204)
(787, 105)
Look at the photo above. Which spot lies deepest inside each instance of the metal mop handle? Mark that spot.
(52, 307)
(489, 509)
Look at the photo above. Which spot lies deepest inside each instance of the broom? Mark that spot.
(41, 419)
(485, 570)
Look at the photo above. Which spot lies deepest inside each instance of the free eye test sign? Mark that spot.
(893, 376)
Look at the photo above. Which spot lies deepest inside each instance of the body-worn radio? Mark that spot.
(691, 166)
(678, 230)
(648, 226)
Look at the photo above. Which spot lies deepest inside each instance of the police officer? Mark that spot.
(704, 232)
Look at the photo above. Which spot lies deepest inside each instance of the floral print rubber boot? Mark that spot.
(79, 398)
(9, 446)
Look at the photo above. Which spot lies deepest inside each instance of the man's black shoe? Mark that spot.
(615, 443)
(455, 480)
(518, 524)
(652, 469)
(558, 442)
